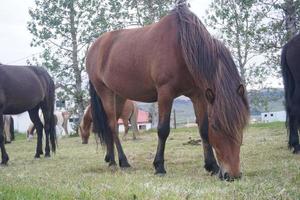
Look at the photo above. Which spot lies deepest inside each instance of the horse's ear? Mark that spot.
(241, 90)
(210, 96)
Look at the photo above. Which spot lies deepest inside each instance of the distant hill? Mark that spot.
(185, 112)
(274, 98)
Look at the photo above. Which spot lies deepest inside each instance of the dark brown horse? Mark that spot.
(129, 114)
(28, 88)
(290, 63)
(176, 56)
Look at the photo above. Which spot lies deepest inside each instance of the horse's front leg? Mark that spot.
(4, 154)
(163, 129)
(209, 157)
(293, 134)
(210, 163)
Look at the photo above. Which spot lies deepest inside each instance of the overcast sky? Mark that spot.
(15, 38)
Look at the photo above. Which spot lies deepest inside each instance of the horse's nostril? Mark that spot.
(240, 175)
(226, 175)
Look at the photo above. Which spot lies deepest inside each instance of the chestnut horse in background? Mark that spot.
(175, 56)
(290, 65)
(129, 114)
(61, 123)
(28, 88)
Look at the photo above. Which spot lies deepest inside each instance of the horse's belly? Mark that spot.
(18, 101)
(14, 110)
(134, 90)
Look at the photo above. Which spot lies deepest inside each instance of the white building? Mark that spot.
(143, 122)
(279, 116)
(21, 122)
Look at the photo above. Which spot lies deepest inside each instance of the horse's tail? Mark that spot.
(133, 118)
(100, 123)
(288, 83)
(51, 93)
(12, 128)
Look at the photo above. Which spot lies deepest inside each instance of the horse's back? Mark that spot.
(21, 88)
(134, 62)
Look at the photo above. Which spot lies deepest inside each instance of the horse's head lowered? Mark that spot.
(225, 130)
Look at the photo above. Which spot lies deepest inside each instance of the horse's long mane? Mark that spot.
(196, 43)
(231, 109)
(208, 59)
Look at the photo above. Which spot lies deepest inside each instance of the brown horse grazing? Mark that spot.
(28, 88)
(176, 56)
(129, 114)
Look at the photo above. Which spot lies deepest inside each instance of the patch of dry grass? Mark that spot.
(78, 171)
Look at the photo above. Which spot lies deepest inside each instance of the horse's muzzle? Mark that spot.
(225, 176)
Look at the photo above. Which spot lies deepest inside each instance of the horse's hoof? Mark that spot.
(3, 163)
(107, 158)
(47, 155)
(37, 156)
(124, 164)
(160, 170)
(112, 163)
(296, 149)
(161, 174)
(5, 159)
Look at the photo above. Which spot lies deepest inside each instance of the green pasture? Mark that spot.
(270, 170)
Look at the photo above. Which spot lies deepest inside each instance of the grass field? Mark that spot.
(270, 170)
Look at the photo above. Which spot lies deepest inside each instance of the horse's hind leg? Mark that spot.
(293, 133)
(47, 126)
(12, 128)
(126, 126)
(163, 130)
(133, 121)
(4, 157)
(114, 105)
(34, 117)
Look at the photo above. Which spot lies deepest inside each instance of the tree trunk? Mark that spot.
(79, 104)
(289, 9)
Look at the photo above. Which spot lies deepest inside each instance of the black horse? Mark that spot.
(290, 63)
(28, 88)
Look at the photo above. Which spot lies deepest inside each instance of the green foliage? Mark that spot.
(65, 29)
(254, 30)
(282, 24)
(241, 25)
(145, 12)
